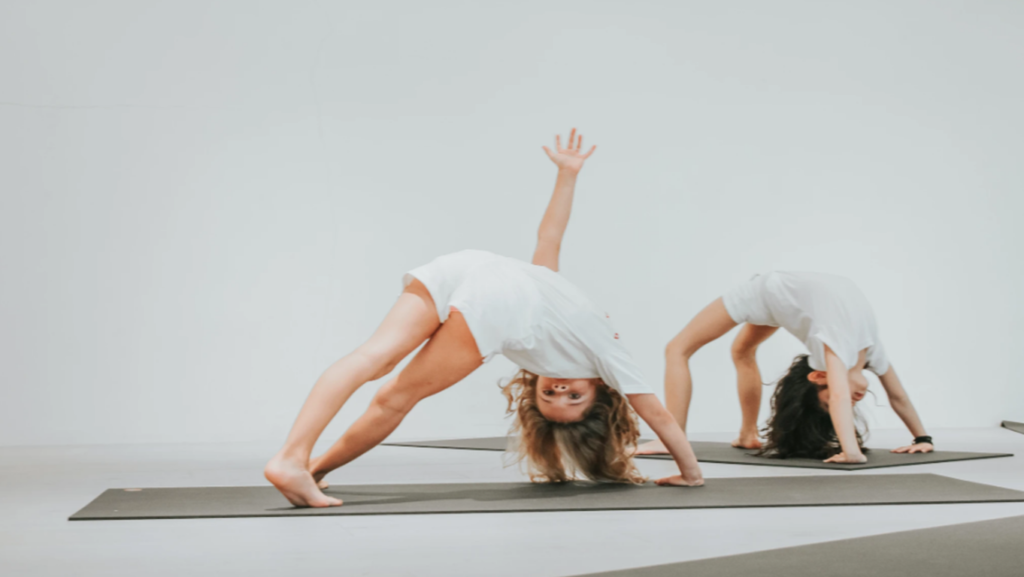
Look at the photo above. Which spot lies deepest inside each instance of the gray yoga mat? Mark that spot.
(985, 548)
(711, 452)
(1015, 427)
(809, 491)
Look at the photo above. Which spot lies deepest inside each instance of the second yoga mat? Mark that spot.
(985, 548)
(1014, 426)
(794, 491)
(711, 452)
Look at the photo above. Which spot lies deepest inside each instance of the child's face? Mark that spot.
(565, 400)
(858, 382)
(858, 387)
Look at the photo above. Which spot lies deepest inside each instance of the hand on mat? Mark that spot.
(569, 158)
(679, 481)
(655, 447)
(844, 458)
(915, 448)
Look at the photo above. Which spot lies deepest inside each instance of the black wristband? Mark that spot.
(923, 439)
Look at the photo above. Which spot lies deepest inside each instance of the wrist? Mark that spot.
(564, 171)
(923, 439)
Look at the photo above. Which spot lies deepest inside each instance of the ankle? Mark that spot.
(749, 432)
(293, 455)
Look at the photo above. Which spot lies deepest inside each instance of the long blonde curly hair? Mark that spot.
(599, 446)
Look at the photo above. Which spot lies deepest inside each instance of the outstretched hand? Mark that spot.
(569, 158)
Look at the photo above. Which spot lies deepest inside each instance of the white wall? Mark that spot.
(204, 204)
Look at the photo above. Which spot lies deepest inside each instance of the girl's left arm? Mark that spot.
(665, 426)
(900, 402)
(569, 161)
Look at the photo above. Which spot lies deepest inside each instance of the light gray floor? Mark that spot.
(41, 486)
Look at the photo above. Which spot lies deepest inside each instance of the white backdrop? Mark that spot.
(204, 204)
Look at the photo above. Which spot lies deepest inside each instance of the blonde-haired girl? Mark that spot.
(573, 400)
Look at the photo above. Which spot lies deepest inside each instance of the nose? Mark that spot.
(561, 387)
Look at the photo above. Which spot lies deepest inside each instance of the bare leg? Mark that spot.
(448, 357)
(709, 324)
(410, 322)
(748, 380)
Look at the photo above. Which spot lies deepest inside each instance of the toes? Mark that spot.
(326, 502)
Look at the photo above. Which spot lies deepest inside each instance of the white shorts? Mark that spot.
(486, 288)
(747, 303)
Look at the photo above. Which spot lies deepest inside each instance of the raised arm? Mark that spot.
(900, 402)
(569, 161)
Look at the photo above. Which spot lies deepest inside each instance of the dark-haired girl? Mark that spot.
(812, 407)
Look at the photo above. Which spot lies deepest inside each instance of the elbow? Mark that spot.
(900, 400)
(838, 399)
(549, 240)
(660, 417)
(678, 350)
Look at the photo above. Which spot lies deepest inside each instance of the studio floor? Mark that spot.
(41, 486)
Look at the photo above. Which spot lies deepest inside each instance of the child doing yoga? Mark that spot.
(812, 406)
(573, 399)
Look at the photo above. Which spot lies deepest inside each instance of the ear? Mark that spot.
(818, 377)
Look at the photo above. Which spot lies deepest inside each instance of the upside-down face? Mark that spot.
(565, 400)
(858, 382)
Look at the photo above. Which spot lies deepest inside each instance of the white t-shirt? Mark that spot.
(816, 308)
(532, 315)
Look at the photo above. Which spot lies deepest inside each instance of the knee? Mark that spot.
(680, 348)
(743, 353)
(378, 362)
(394, 398)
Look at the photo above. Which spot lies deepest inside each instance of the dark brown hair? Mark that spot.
(799, 425)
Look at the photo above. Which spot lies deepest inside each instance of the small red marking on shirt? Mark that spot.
(606, 316)
(616, 335)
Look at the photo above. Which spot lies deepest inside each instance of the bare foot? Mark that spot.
(655, 447)
(318, 476)
(747, 442)
(296, 484)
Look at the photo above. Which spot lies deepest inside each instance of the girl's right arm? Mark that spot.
(840, 407)
(650, 409)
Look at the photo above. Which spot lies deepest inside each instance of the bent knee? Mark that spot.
(681, 348)
(378, 361)
(394, 398)
(743, 352)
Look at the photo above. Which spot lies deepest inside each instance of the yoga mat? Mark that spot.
(1015, 427)
(711, 452)
(809, 491)
(984, 548)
